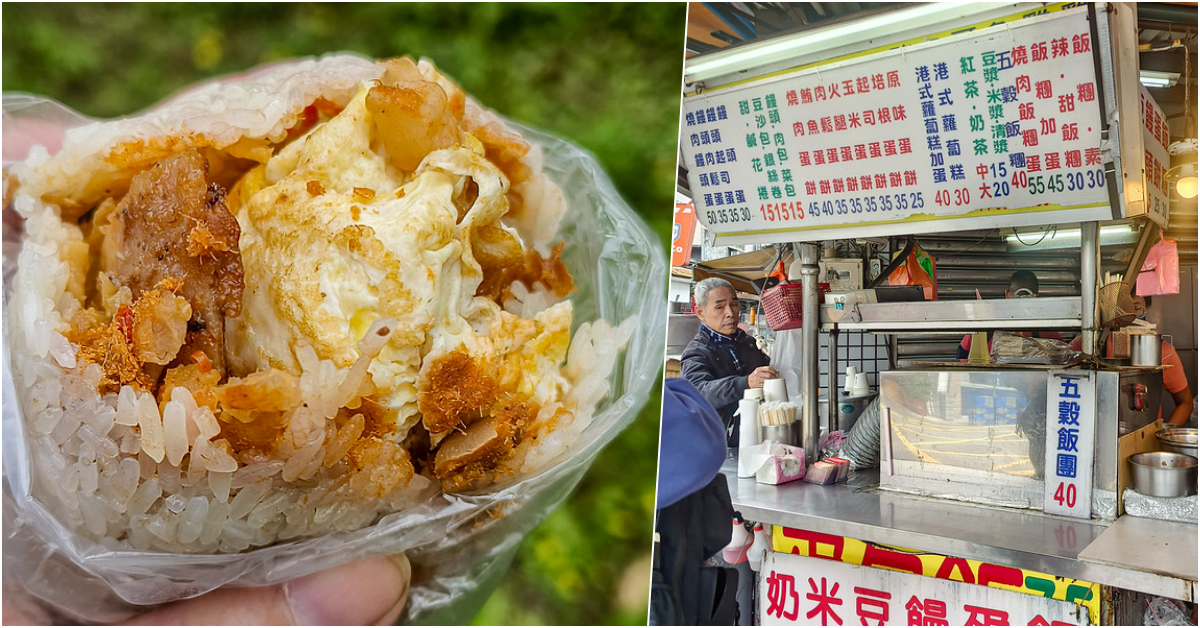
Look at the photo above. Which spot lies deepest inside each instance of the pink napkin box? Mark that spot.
(786, 464)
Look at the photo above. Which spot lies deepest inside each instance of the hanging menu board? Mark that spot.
(1155, 160)
(997, 127)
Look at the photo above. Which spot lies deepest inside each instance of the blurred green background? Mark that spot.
(603, 76)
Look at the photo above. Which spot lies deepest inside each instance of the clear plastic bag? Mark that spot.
(459, 545)
(1014, 348)
(1161, 611)
(785, 356)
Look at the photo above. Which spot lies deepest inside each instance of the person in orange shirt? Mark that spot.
(1022, 285)
(1174, 378)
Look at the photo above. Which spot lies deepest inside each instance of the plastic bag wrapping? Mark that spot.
(786, 358)
(459, 545)
(832, 444)
(1013, 348)
(1160, 272)
(1104, 504)
(28, 120)
(1181, 509)
(1162, 611)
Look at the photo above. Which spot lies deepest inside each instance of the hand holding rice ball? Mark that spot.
(286, 307)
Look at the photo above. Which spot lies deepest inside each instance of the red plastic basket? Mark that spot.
(783, 305)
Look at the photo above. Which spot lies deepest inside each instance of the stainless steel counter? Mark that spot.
(1143, 555)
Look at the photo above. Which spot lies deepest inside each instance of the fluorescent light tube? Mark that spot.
(1151, 78)
(1065, 234)
(876, 28)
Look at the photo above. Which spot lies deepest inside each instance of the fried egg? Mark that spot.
(335, 237)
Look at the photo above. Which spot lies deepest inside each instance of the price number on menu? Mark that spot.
(881, 203)
(956, 198)
(726, 215)
(999, 188)
(1158, 205)
(1065, 495)
(774, 212)
(1066, 182)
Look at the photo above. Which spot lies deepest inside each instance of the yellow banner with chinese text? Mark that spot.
(856, 552)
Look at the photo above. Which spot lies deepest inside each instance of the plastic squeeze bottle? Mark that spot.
(758, 551)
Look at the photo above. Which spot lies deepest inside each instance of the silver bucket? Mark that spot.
(788, 434)
(850, 407)
(1146, 349)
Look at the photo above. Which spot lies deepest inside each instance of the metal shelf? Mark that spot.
(957, 317)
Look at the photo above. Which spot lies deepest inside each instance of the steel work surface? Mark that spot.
(1025, 539)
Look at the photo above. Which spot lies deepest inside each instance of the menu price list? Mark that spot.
(965, 127)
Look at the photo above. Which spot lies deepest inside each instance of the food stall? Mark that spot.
(997, 491)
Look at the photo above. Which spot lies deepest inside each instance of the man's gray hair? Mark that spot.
(708, 285)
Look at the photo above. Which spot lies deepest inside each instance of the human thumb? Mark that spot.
(366, 592)
(369, 591)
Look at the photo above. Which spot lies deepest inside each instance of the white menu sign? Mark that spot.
(1002, 123)
(803, 591)
(1155, 158)
(1070, 443)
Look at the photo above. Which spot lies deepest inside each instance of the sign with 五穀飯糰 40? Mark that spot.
(1001, 124)
(1070, 443)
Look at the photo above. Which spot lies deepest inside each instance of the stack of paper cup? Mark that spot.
(775, 390)
(748, 430)
(850, 373)
(860, 385)
(753, 393)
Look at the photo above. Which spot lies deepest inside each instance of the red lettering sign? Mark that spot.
(826, 599)
(981, 616)
(783, 597)
(926, 613)
(871, 605)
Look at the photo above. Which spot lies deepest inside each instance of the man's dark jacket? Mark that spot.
(711, 369)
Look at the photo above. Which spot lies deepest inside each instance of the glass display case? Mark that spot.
(979, 435)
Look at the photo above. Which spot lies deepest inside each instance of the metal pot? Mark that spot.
(787, 434)
(1162, 474)
(1145, 350)
(850, 407)
(1181, 440)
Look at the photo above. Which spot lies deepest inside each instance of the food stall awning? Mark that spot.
(746, 271)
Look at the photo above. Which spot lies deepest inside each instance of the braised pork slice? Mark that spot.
(174, 229)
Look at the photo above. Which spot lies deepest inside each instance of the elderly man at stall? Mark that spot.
(722, 361)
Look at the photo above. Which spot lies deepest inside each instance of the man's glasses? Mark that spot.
(1024, 293)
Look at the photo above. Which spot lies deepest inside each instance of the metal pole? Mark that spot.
(810, 369)
(1089, 280)
(831, 409)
